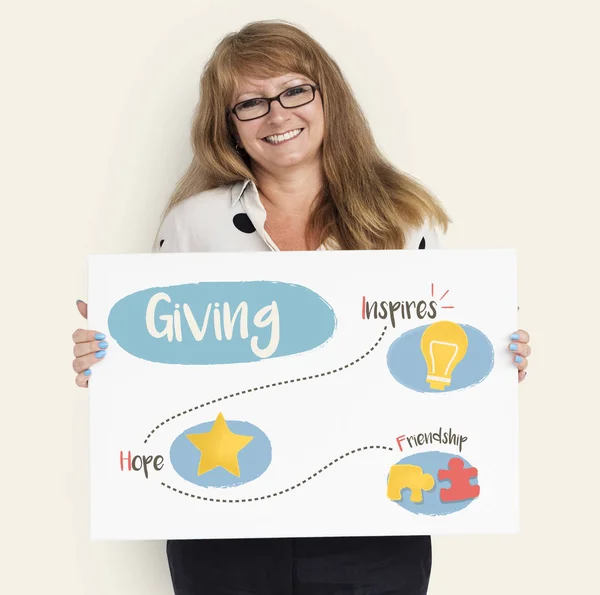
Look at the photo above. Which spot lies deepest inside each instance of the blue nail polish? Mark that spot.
(513, 347)
(103, 345)
(518, 359)
(99, 336)
(515, 336)
(87, 372)
(100, 354)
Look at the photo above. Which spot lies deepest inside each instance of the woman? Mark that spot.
(284, 160)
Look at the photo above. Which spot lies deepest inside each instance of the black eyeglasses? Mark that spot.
(257, 107)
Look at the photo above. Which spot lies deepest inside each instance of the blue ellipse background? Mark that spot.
(431, 462)
(253, 460)
(407, 364)
(306, 321)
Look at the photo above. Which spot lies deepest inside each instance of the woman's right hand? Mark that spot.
(90, 348)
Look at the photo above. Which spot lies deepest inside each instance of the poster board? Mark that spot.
(303, 394)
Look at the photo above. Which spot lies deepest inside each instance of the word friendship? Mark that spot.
(440, 437)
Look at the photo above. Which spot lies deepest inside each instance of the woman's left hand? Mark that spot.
(519, 347)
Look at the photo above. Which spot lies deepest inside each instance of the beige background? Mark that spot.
(493, 105)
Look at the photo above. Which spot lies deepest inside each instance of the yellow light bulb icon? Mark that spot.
(443, 344)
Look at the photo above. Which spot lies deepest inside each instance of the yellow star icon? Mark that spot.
(219, 447)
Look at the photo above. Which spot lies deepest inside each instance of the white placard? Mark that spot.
(303, 394)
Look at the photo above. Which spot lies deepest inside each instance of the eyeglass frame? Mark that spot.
(276, 98)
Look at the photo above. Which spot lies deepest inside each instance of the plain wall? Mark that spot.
(492, 105)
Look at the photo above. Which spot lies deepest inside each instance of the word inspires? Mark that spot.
(402, 309)
(223, 323)
(440, 437)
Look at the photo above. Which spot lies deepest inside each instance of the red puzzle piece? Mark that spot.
(459, 478)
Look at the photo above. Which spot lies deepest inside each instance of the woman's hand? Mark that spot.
(519, 347)
(90, 348)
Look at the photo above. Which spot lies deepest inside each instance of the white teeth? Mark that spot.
(281, 137)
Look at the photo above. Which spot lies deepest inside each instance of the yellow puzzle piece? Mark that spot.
(408, 476)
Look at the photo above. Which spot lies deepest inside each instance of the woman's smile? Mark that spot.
(279, 139)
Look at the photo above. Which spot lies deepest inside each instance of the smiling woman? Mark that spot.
(284, 159)
(277, 115)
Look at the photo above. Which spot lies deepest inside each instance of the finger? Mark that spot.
(82, 307)
(82, 378)
(520, 336)
(519, 349)
(80, 349)
(521, 362)
(522, 375)
(82, 335)
(81, 364)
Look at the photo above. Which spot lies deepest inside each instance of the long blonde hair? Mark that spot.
(366, 203)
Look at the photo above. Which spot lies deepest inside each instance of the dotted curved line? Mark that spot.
(281, 492)
(265, 386)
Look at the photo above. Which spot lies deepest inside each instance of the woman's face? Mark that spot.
(252, 135)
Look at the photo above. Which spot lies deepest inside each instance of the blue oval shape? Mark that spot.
(253, 459)
(221, 322)
(406, 362)
(431, 463)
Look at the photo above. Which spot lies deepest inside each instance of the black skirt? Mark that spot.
(301, 566)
